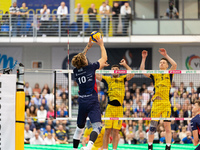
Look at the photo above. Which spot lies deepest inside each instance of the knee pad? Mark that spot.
(97, 127)
(78, 133)
(153, 126)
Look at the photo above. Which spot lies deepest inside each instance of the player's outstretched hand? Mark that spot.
(100, 41)
(123, 62)
(163, 51)
(144, 54)
(90, 43)
(106, 64)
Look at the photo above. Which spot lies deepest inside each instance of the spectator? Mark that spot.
(138, 109)
(48, 130)
(49, 140)
(32, 112)
(145, 97)
(115, 17)
(28, 134)
(65, 112)
(44, 19)
(173, 88)
(182, 86)
(28, 88)
(14, 11)
(50, 113)
(27, 96)
(75, 90)
(64, 92)
(130, 139)
(141, 139)
(148, 111)
(36, 88)
(61, 136)
(79, 18)
(150, 88)
(51, 123)
(172, 12)
(140, 130)
(128, 97)
(5, 19)
(125, 12)
(36, 99)
(47, 88)
(175, 99)
(182, 134)
(188, 139)
(65, 100)
(23, 16)
(62, 13)
(144, 86)
(92, 11)
(104, 11)
(176, 139)
(36, 140)
(189, 88)
(44, 104)
(133, 90)
(31, 125)
(174, 126)
(41, 114)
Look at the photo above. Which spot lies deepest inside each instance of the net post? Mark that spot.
(54, 94)
(69, 93)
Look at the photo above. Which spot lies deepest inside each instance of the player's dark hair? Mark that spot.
(115, 66)
(78, 61)
(165, 60)
(198, 102)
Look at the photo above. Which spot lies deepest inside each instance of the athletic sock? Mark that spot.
(150, 146)
(75, 143)
(168, 147)
(93, 137)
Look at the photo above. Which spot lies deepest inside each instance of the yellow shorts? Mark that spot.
(161, 108)
(113, 112)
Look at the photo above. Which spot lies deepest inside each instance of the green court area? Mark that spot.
(120, 147)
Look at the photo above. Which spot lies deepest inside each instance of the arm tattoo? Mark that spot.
(86, 49)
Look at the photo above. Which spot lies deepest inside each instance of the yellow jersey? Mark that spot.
(162, 85)
(99, 140)
(116, 87)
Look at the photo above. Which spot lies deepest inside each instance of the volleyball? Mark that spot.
(94, 35)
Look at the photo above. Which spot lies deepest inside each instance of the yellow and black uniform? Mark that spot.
(161, 101)
(99, 141)
(61, 135)
(116, 93)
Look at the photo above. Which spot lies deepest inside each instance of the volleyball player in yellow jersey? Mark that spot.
(116, 92)
(161, 103)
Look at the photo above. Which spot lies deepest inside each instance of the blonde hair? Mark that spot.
(78, 61)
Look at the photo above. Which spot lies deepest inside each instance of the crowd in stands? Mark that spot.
(42, 128)
(49, 24)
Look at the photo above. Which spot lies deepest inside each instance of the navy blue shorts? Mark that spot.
(89, 109)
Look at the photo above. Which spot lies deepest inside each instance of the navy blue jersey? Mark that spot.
(195, 123)
(85, 77)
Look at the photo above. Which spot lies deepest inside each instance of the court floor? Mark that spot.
(120, 147)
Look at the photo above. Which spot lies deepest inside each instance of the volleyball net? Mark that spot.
(179, 93)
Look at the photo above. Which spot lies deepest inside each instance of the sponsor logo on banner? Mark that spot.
(7, 61)
(192, 62)
(120, 71)
(175, 71)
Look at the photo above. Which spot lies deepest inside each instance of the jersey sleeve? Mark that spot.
(193, 124)
(151, 76)
(124, 77)
(106, 78)
(96, 65)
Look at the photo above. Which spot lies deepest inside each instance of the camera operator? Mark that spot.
(172, 12)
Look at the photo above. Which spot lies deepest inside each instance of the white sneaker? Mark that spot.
(83, 148)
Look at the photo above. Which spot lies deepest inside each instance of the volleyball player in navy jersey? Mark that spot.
(195, 123)
(84, 73)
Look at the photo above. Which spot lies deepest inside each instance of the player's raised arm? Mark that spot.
(171, 61)
(104, 57)
(129, 76)
(99, 76)
(88, 46)
(142, 65)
